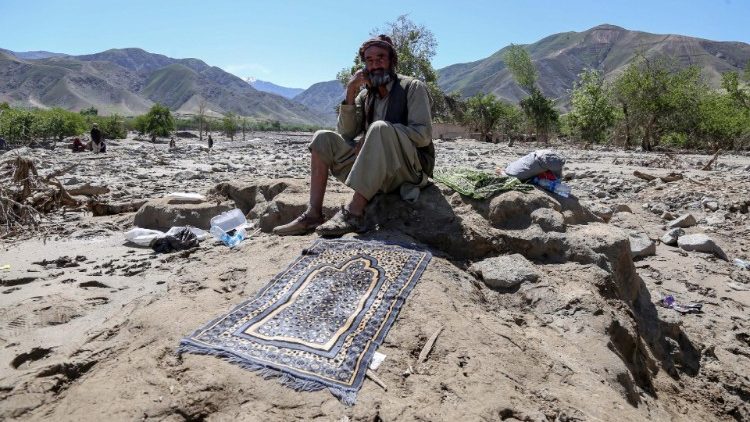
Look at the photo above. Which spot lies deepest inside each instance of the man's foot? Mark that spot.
(303, 224)
(342, 223)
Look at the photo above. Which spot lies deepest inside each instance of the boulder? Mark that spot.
(641, 245)
(505, 272)
(670, 237)
(512, 210)
(164, 213)
(683, 221)
(548, 219)
(701, 243)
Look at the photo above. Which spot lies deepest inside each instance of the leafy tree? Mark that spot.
(657, 98)
(17, 125)
(592, 111)
(537, 108)
(486, 113)
(58, 123)
(113, 127)
(732, 83)
(158, 122)
(91, 111)
(229, 124)
(519, 63)
(721, 123)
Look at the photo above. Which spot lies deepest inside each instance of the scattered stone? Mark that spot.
(505, 271)
(684, 221)
(641, 245)
(700, 243)
(164, 213)
(622, 208)
(548, 219)
(670, 237)
(666, 215)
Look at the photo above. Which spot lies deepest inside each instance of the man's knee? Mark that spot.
(381, 132)
(322, 141)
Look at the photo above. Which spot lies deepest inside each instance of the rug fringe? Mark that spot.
(348, 397)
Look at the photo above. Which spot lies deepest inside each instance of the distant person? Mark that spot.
(172, 143)
(393, 113)
(96, 138)
(78, 146)
(210, 142)
(2, 143)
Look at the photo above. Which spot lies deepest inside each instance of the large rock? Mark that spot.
(548, 219)
(505, 272)
(700, 243)
(641, 245)
(512, 210)
(163, 213)
(683, 221)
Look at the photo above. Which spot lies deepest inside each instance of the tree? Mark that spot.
(592, 111)
(415, 46)
(538, 108)
(731, 82)
(158, 121)
(486, 113)
(229, 125)
(91, 111)
(519, 63)
(657, 98)
(113, 127)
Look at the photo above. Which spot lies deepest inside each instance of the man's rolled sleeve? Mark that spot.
(351, 119)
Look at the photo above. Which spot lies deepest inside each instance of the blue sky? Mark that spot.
(298, 43)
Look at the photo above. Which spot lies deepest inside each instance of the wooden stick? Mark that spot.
(428, 346)
(711, 161)
(371, 375)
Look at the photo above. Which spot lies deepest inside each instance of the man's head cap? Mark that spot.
(382, 41)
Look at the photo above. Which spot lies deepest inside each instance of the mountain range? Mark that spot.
(271, 87)
(561, 57)
(128, 81)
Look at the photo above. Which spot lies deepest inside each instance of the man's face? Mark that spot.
(378, 65)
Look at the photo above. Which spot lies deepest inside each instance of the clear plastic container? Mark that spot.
(227, 239)
(229, 220)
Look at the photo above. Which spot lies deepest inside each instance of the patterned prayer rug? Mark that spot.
(317, 324)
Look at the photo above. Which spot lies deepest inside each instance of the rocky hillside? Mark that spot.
(322, 97)
(561, 57)
(129, 81)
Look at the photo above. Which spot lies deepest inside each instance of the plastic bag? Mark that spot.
(176, 239)
(142, 237)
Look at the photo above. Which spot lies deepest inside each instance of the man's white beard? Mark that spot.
(379, 78)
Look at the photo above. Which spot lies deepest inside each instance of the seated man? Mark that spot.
(96, 138)
(394, 114)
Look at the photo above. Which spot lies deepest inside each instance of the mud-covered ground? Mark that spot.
(89, 324)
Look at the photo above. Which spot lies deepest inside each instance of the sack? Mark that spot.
(536, 163)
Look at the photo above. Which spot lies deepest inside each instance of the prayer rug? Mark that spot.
(477, 184)
(318, 323)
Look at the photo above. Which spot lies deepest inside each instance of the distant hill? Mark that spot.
(129, 81)
(33, 55)
(274, 89)
(559, 59)
(323, 97)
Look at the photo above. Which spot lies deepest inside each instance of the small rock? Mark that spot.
(666, 215)
(641, 245)
(700, 243)
(670, 237)
(685, 220)
(505, 271)
(622, 208)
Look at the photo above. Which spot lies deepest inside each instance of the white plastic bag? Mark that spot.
(142, 237)
(186, 196)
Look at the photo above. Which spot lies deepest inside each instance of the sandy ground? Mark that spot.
(89, 324)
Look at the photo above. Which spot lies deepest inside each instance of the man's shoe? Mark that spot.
(303, 224)
(342, 223)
